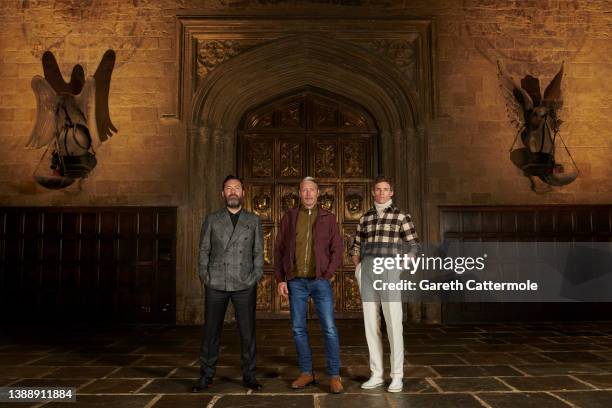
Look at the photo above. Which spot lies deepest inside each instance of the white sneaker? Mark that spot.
(373, 382)
(396, 385)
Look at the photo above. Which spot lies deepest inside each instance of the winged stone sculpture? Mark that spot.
(72, 120)
(536, 118)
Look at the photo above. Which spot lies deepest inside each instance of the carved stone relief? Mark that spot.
(211, 53)
(402, 52)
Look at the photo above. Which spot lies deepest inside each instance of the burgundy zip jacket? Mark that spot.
(328, 245)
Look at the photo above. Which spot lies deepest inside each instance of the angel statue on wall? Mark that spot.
(72, 120)
(536, 118)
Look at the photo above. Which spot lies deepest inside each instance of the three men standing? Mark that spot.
(383, 225)
(307, 253)
(230, 265)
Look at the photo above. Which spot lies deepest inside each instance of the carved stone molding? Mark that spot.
(208, 42)
(403, 53)
(230, 65)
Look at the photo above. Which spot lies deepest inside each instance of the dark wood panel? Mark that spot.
(560, 223)
(73, 264)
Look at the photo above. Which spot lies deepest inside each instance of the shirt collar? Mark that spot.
(304, 209)
(390, 209)
(232, 214)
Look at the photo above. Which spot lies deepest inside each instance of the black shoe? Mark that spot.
(202, 384)
(252, 384)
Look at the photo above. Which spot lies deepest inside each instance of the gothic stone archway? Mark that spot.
(231, 66)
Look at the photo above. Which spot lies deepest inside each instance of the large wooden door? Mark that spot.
(308, 134)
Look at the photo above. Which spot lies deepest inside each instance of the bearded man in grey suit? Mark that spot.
(230, 265)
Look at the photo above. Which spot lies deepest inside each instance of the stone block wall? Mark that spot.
(468, 136)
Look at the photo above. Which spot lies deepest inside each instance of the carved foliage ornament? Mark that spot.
(325, 160)
(264, 300)
(290, 159)
(325, 116)
(290, 116)
(354, 159)
(353, 120)
(262, 160)
(348, 236)
(268, 247)
(351, 293)
(401, 52)
(211, 53)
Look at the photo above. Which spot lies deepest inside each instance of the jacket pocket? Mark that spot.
(245, 272)
(325, 266)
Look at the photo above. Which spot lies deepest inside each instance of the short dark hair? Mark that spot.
(232, 177)
(384, 179)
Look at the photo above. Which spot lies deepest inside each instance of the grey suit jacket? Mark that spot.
(231, 258)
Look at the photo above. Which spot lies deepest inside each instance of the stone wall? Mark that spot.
(469, 135)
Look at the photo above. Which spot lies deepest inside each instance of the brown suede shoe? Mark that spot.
(335, 385)
(303, 380)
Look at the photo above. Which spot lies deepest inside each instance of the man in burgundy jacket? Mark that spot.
(307, 253)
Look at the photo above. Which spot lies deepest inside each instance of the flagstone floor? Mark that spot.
(488, 365)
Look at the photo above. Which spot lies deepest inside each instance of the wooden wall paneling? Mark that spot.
(80, 263)
(543, 223)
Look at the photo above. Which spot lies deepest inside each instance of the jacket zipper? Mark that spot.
(307, 243)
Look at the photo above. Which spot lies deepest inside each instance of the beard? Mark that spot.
(234, 201)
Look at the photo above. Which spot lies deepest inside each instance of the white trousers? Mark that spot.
(371, 320)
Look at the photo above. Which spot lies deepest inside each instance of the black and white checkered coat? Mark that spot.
(393, 227)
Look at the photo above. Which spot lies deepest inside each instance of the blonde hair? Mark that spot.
(311, 179)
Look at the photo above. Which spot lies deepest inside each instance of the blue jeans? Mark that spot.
(321, 292)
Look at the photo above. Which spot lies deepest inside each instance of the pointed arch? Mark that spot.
(297, 61)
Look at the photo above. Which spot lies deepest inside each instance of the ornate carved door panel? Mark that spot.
(297, 136)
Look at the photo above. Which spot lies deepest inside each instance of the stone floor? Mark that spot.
(494, 365)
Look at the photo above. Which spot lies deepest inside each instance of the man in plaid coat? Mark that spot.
(383, 224)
